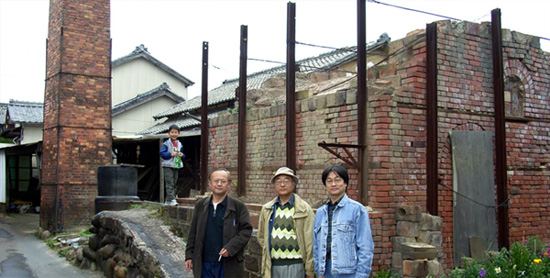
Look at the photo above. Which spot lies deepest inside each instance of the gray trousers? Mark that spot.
(288, 271)
(170, 181)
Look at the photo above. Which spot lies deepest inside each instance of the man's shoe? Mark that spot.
(174, 202)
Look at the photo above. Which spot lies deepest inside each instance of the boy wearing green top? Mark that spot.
(171, 153)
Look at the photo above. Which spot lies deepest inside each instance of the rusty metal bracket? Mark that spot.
(349, 160)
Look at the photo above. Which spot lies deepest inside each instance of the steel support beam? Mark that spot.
(431, 119)
(204, 120)
(362, 186)
(500, 131)
(241, 188)
(291, 87)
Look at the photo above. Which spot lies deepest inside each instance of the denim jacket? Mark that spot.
(352, 245)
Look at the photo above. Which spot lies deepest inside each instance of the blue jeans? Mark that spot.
(212, 270)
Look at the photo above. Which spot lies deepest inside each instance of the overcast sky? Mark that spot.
(173, 32)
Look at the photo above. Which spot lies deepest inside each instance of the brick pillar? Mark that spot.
(77, 111)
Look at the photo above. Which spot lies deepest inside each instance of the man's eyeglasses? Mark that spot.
(281, 182)
(335, 181)
(219, 181)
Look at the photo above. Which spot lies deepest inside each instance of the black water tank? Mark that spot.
(116, 187)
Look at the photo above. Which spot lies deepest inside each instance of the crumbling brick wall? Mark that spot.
(396, 117)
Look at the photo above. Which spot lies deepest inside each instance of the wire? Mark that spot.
(321, 46)
(503, 204)
(413, 10)
(266, 61)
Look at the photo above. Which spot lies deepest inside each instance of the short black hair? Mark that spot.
(339, 170)
(174, 127)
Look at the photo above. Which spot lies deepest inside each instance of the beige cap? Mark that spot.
(285, 171)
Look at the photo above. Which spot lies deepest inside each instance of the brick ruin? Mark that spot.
(77, 137)
(397, 131)
(77, 111)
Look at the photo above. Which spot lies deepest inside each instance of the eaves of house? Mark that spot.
(161, 91)
(141, 52)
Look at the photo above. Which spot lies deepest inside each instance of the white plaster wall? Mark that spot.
(139, 76)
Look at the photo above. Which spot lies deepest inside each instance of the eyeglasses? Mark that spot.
(219, 181)
(285, 182)
(335, 181)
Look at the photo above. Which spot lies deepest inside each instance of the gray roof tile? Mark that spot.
(26, 112)
(183, 122)
(160, 91)
(226, 91)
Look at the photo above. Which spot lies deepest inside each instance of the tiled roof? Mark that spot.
(226, 91)
(3, 113)
(183, 122)
(160, 91)
(142, 52)
(26, 112)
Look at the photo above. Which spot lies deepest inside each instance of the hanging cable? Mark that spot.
(266, 61)
(503, 204)
(413, 10)
(321, 46)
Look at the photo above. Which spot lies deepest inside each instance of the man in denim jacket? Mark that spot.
(342, 239)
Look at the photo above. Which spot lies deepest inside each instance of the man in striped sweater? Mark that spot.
(285, 231)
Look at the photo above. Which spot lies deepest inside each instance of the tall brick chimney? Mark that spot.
(77, 111)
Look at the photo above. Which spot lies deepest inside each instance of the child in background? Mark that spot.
(172, 155)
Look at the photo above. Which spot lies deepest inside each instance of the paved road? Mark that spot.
(22, 255)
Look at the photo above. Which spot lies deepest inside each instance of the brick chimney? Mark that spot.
(77, 111)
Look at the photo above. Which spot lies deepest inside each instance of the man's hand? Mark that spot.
(189, 265)
(224, 253)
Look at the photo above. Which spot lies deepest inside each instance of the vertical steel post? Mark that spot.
(291, 87)
(204, 120)
(431, 119)
(500, 130)
(241, 185)
(362, 186)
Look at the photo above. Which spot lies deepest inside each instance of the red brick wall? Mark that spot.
(397, 132)
(77, 110)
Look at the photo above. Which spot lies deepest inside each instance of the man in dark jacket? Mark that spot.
(220, 230)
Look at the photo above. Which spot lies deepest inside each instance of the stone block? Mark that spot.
(304, 94)
(416, 268)
(477, 249)
(435, 268)
(407, 228)
(409, 213)
(396, 259)
(418, 250)
(430, 222)
(321, 102)
(108, 250)
(351, 97)
(430, 237)
(398, 240)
